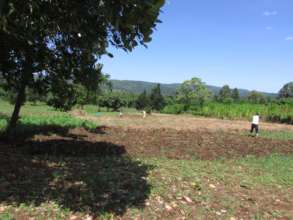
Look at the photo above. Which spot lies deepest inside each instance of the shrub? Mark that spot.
(173, 109)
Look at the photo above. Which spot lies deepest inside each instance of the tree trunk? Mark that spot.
(2, 4)
(19, 102)
(20, 99)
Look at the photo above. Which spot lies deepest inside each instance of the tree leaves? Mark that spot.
(65, 39)
(193, 92)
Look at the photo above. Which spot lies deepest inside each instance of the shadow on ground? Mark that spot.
(79, 175)
(27, 130)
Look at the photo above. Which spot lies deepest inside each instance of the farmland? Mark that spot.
(76, 144)
(270, 112)
(81, 166)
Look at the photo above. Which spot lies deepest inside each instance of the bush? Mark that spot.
(173, 109)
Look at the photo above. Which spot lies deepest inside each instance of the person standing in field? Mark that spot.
(255, 124)
(143, 114)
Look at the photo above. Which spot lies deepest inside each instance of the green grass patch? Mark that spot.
(6, 216)
(112, 185)
(271, 170)
(35, 117)
(47, 123)
(275, 135)
(279, 135)
(58, 120)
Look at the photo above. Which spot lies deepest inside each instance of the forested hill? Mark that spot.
(167, 89)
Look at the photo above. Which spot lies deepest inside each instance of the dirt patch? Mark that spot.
(187, 144)
(180, 122)
(161, 142)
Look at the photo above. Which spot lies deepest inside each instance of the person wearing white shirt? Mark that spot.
(255, 124)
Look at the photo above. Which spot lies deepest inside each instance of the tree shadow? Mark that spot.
(78, 175)
(26, 131)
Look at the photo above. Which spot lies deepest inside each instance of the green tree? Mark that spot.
(111, 101)
(225, 94)
(129, 99)
(59, 47)
(143, 101)
(192, 93)
(170, 100)
(157, 100)
(256, 97)
(286, 91)
(35, 97)
(235, 95)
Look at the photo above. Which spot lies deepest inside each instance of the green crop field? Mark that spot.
(269, 112)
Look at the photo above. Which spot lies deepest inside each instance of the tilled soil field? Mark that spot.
(162, 142)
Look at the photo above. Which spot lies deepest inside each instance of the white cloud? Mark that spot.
(269, 28)
(289, 38)
(270, 13)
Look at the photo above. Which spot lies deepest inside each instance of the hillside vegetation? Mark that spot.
(138, 87)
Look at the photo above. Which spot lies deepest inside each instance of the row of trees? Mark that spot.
(227, 95)
(154, 101)
(191, 93)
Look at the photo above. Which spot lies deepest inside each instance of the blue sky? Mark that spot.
(242, 43)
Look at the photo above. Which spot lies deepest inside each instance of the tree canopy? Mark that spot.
(143, 101)
(193, 92)
(225, 94)
(52, 45)
(157, 100)
(256, 97)
(286, 91)
(235, 95)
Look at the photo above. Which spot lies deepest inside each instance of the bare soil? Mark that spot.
(179, 122)
(176, 144)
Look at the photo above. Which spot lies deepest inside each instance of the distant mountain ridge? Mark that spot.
(138, 87)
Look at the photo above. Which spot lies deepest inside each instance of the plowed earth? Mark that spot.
(174, 144)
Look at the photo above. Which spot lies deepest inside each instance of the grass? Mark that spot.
(31, 124)
(34, 116)
(278, 135)
(216, 187)
(282, 135)
(5, 216)
(272, 170)
(29, 109)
